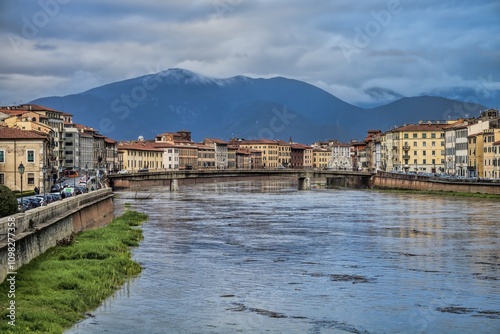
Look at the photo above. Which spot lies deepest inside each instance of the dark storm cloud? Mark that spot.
(345, 47)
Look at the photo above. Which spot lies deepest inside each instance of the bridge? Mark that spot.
(172, 179)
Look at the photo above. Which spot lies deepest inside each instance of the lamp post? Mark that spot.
(20, 169)
(44, 171)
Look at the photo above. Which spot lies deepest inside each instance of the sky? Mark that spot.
(364, 52)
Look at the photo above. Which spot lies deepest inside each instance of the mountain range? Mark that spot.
(241, 107)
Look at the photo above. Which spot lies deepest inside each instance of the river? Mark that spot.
(262, 257)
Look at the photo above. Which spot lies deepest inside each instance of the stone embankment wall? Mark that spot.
(413, 182)
(39, 229)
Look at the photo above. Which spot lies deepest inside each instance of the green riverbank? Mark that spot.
(54, 291)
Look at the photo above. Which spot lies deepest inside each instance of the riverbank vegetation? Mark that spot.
(54, 291)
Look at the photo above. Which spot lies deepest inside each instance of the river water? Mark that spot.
(261, 257)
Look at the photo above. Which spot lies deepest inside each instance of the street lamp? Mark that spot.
(44, 171)
(20, 169)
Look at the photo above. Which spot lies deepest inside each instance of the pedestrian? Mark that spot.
(37, 191)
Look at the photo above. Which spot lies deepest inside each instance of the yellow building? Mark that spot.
(472, 149)
(269, 149)
(490, 170)
(140, 155)
(321, 156)
(418, 148)
(26, 147)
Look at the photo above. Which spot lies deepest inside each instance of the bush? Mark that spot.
(8, 202)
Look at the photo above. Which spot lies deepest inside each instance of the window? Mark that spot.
(414, 152)
(405, 136)
(433, 161)
(415, 135)
(415, 161)
(424, 144)
(424, 153)
(30, 156)
(31, 178)
(433, 153)
(2, 178)
(425, 161)
(424, 135)
(2, 156)
(433, 135)
(433, 144)
(414, 144)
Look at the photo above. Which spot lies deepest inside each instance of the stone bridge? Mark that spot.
(172, 179)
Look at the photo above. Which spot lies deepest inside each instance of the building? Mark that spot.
(206, 156)
(321, 157)
(139, 155)
(284, 153)
(221, 152)
(456, 148)
(490, 166)
(268, 147)
(29, 148)
(341, 156)
(421, 147)
(496, 159)
(243, 158)
(86, 147)
(50, 117)
(111, 155)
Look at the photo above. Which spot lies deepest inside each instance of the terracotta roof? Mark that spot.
(216, 140)
(421, 127)
(13, 112)
(109, 140)
(301, 147)
(139, 146)
(258, 141)
(12, 133)
(496, 143)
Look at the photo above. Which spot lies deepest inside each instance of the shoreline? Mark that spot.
(438, 193)
(56, 290)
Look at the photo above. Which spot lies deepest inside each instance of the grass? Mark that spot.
(441, 193)
(54, 291)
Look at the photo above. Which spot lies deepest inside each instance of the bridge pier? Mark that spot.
(174, 185)
(304, 183)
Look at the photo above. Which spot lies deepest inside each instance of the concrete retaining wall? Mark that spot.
(412, 182)
(39, 229)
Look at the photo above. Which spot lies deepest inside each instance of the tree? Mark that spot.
(8, 202)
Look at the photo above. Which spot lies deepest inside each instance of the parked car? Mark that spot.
(123, 171)
(81, 189)
(34, 201)
(55, 196)
(143, 170)
(56, 188)
(45, 199)
(23, 205)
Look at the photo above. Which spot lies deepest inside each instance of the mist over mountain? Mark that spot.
(243, 107)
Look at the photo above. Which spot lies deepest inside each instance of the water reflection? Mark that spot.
(257, 257)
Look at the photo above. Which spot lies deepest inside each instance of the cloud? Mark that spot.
(351, 49)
